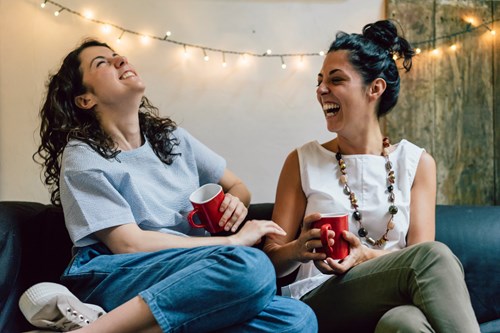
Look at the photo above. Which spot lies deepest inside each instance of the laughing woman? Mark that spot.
(123, 176)
(396, 278)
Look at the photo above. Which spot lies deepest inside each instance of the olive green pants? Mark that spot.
(418, 289)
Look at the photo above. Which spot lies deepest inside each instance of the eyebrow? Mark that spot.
(331, 72)
(100, 57)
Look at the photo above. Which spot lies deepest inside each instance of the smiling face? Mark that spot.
(342, 94)
(108, 78)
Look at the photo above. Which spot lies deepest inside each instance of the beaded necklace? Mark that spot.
(362, 232)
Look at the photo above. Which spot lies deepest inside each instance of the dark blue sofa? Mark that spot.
(35, 247)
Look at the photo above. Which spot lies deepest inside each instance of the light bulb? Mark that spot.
(88, 14)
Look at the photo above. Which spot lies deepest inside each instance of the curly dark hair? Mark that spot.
(62, 120)
(371, 53)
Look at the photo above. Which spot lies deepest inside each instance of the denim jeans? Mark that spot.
(204, 289)
(417, 289)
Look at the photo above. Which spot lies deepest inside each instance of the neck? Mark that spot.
(123, 127)
(363, 143)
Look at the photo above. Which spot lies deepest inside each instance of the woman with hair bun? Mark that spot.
(396, 278)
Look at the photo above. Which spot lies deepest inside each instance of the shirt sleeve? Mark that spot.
(91, 203)
(210, 165)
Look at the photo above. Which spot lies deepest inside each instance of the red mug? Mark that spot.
(206, 201)
(337, 223)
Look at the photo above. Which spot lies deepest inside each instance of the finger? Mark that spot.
(340, 266)
(271, 227)
(351, 238)
(309, 219)
(238, 216)
(323, 267)
(313, 244)
(225, 203)
(228, 213)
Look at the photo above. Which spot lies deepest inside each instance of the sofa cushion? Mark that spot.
(472, 233)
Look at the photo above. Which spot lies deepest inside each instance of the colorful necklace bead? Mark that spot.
(393, 209)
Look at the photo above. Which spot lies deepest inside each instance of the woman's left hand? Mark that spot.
(357, 255)
(234, 212)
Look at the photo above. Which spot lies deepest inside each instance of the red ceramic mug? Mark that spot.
(206, 201)
(337, 223)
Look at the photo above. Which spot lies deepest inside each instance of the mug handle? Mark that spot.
(191, 221)
(324, 240)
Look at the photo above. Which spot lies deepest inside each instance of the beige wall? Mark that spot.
(252, 115)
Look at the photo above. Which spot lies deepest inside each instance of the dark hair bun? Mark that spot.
(385, 34)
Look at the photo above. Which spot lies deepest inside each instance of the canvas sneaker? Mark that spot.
(52, 306)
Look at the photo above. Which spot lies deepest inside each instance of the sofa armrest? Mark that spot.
(34, 247)
(472, 233)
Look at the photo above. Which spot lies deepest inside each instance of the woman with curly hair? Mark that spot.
(123, 176)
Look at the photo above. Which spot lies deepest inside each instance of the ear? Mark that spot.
(377, 88)
(85, 101)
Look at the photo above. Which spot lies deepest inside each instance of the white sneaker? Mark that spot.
(53, 306)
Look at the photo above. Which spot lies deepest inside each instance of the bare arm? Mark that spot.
(286, 252)
(423, 202)
(235, 202)
(129, 238)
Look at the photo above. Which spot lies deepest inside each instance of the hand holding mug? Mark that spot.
(207, 201)
(234, 212)
(337, 223)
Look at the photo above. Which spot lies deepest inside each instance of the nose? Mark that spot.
(322, 89)
(120, 61)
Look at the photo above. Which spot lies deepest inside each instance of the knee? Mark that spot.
(305, 320)
(439, 255)
(403, 319)
(251, 271)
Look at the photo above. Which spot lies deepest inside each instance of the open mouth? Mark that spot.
(127, 74)
(331, 109)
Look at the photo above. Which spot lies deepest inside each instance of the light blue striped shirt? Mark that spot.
(98, 193)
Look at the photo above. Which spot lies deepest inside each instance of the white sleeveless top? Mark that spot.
(367, 178)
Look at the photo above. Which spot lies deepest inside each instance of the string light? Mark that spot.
(59, 11)
(88, 15)
(453, 47)
(301, 61)
(283, 65)
(106, 28)
(186, 53)
(224, 63)
(145, 39)
(471, 25)
(119, 39)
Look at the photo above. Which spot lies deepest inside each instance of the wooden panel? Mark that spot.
(496, 98)
(446, 103)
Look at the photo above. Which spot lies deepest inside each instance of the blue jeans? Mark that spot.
(203, 289)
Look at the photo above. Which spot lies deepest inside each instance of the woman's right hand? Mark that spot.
(310, 239)
(253, 230)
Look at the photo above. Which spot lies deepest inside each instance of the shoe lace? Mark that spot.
(70, 320)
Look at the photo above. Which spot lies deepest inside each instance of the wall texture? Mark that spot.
(449, 100)
(252, 115)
